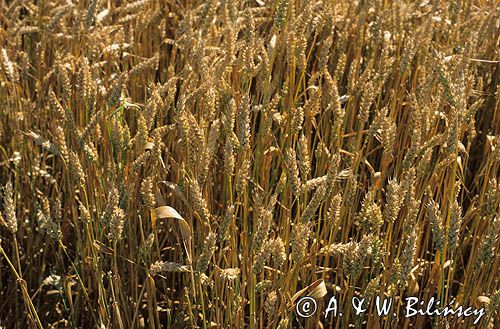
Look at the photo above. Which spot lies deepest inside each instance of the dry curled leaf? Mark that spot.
(165, 212)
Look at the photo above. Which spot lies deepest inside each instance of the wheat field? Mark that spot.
(207, 164)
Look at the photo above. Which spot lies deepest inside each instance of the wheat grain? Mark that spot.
(163, 267)
(436, 222)
(208, 250)
(299, 241)
(230, 274)
(9, 218)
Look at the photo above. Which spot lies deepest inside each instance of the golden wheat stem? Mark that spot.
(26, 297)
